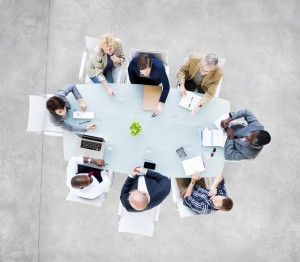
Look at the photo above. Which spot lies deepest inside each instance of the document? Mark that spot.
(83, 115)
(193, 164)
(151, 97)
(190, 100)
(218, 121)
(210, 137)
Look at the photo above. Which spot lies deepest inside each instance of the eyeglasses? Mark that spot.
(213, 152)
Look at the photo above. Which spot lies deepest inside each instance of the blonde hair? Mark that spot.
(107, 40)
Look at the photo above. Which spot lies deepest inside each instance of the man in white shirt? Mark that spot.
(87, 185)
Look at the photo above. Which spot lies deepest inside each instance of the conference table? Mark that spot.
(173, 128)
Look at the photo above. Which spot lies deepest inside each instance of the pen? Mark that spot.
(85, 122)
(153, 115)
(191, 101)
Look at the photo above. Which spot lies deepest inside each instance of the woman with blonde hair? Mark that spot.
(108, 56)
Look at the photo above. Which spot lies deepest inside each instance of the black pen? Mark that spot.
(153, 115)
(85, 122)
(191, 101)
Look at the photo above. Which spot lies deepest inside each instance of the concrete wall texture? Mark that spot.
(41, 43)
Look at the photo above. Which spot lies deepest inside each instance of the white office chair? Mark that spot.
(161, 55)
(94, 202)
(221, 62)
(177, 199)
(38, 120)
(141, 223)
(119, 73)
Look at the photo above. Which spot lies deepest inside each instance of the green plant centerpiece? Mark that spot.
(135, 127)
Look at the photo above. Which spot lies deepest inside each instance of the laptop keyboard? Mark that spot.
(90, 145)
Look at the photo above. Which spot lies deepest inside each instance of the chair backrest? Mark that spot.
(161, 55)
(91, 43)
(38, 119)
(94, 202)
(141, 223)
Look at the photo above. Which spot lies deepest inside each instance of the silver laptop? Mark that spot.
(91, 146)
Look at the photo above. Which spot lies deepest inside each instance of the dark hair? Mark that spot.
(144, 61)
(78, 181)
(55, 103)
(227, 204)
(263, 138)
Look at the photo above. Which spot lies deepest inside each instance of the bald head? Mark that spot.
(138, 200)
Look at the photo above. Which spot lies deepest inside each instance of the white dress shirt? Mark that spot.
(93, 190)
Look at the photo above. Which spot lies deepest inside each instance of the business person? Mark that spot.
(58, 106)
(108, 55)
(87, 185)
(144, 189)
(201, 200)
(201, 73)
(147, 70)
(244, 141)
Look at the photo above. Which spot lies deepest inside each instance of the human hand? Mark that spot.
(194, 110)
(229, 132)
(196, 176)
(182, 90)
(82, 106)
(225, 122)
(158, 109)
(114, 58)
(140, 170)
(134, 171)
(212, 192)
(98, 162)
(111, 92)
(93, 126)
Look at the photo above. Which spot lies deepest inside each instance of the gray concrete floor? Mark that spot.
(41, 44)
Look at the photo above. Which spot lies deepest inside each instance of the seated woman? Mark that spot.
(58, 106)
(108, 55)
(87, 185)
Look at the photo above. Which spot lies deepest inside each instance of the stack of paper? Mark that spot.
(190, 100)
(209, 137)
(193, 164)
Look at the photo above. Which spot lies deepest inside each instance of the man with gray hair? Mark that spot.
(144, 189)
(202, 73)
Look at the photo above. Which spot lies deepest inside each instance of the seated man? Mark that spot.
(87, 185)
(200, 73)
(147, 70)
(58, 106)
(244, 142)
(144, 189)
(201, 200)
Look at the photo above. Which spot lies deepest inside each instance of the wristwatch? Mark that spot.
(89, 160)
(193, 183)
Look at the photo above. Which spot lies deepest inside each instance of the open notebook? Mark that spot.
(190, 100)
(193, 164)
(210, 137)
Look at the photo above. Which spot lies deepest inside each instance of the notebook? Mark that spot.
(193, 164)
(190, 100)
(151, 97)
(210, 137)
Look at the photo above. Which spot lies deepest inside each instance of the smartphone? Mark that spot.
(149, 165)
(180, 152)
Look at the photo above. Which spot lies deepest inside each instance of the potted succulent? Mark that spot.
(135, 127)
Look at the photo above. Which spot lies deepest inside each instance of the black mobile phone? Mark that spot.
(149, 165)
(180, 152)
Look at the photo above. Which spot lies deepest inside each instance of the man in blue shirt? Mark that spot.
(147, 70)
(202, 200)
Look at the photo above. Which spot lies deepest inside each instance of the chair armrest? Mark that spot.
(156, 214)
(82, 66)
(121, 77)
(120, 211)
(167, 70)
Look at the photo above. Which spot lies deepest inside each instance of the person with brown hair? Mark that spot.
(109, 54)
(58, 106)
(147, 70)
(202, 200)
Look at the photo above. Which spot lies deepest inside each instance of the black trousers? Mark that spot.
(191, 86)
